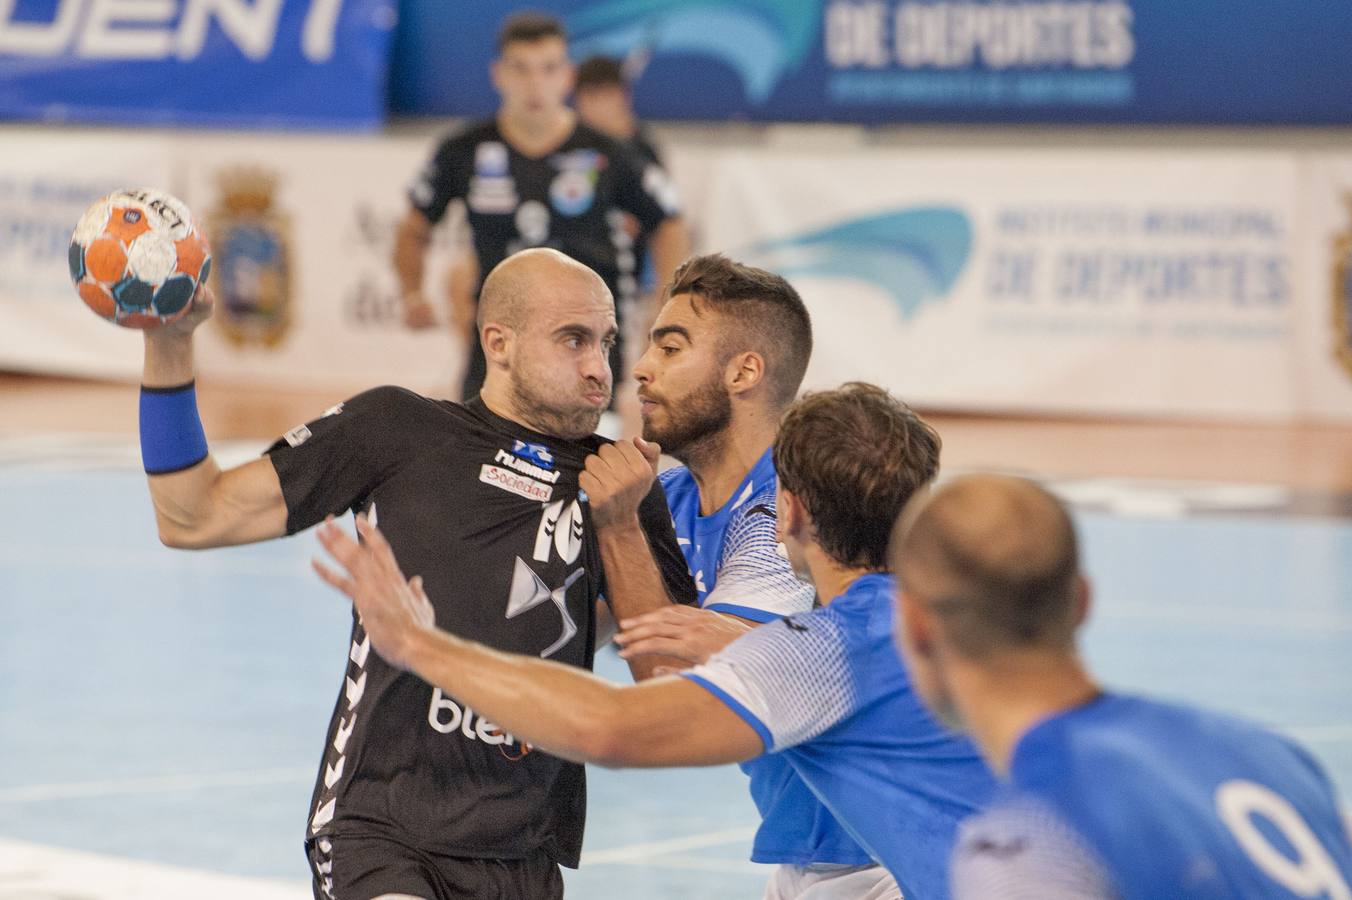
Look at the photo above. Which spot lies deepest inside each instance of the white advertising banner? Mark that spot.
(1166, 282)
(1134, 283)
(1325, 323)
(47, 180)
(302, 232)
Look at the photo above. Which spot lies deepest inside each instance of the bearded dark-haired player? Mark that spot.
(534, 176)
(419, 795)
(729, 350)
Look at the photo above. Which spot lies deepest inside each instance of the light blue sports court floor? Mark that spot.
(162, 712)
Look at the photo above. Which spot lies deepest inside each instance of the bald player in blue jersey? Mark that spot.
(823, 690)
(1105, 795)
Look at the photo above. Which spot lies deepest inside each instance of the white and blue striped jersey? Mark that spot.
(1128, 798)
(827, 693)
(733, 553)
(740, 569)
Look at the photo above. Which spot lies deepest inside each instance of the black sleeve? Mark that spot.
(331, 464)
(643, 189)
(444, 178)
(655, 518)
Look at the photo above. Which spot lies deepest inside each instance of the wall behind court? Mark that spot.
(1200, 282)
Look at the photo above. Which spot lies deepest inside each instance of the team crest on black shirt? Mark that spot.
(573, 190)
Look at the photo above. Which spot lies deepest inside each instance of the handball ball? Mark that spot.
(137, 258)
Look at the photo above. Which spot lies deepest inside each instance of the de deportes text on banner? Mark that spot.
(237, 63)
(1198, 283)
(891, 61)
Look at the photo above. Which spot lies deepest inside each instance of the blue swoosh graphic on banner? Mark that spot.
(914, 254)
(761, 40)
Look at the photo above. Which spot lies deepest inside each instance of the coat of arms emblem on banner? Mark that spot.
(1342, 293)
(252, 275)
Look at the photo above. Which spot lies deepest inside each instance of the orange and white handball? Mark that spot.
(137, 257)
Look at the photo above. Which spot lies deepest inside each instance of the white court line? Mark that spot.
(32, 871)
(641, 852)
(157, 784)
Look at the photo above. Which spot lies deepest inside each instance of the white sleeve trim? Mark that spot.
(792, 675)
(754, 573)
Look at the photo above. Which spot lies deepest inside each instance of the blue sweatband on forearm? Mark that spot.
(171, 431)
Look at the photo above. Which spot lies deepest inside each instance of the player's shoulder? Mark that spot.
(463, 138)
(1121, 726)
(626, 155)
(751, 517)
(384, 400)
(675, 478)
(592, 139)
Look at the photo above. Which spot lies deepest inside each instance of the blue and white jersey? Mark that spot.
(826, 691)
(740, 569)
(1130, 798)
(733, 553)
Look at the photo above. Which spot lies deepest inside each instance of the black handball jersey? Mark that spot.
(488, 513)
(563, 200)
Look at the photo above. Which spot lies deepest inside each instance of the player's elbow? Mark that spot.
(178, 537)
(182, 531)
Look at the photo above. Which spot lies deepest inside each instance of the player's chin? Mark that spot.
(581, 422)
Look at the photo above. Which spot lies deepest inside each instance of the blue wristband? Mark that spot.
(171, 431)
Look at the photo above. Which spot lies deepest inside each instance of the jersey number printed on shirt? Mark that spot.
(561, 528)
(1313, 872)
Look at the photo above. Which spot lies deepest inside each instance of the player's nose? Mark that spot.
(596, 364)
(643, 371)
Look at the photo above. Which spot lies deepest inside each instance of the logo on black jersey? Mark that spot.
(528, 466)
(529, 591)
(536, 453)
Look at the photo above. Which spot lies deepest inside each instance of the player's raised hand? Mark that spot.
(617, 478)
(681, 632)
(203, 305)
(394, 611)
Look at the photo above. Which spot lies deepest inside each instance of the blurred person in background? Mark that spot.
(604, 100)
(535, 176)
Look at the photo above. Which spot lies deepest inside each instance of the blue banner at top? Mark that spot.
(250, 63)
(896, 61)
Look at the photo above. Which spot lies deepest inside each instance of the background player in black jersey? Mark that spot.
(604, 101)
(534, 176)
(418, 795)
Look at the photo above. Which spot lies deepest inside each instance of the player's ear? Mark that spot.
(744, 372)
(497, 342)
(1082, 601)
(790, 512)
(495, 74)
